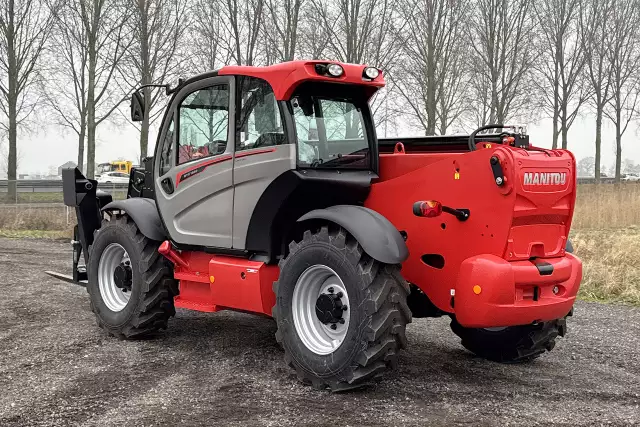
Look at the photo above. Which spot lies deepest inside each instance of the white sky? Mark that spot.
(51, 148)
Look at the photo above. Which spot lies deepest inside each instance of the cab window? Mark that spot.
(260, 120)
(167, 150)
(330, 130)
(203, 118)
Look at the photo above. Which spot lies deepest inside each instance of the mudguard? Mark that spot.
(144, 213)
(377, 236)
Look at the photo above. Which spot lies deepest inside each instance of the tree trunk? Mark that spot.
(91, 109)
(618, 145)
(12, 101)
(564, 125)
(81, 137)
(598, 139)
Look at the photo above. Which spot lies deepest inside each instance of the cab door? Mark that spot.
(193, 172)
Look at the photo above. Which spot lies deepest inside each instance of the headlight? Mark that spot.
(335, 70)
(371, 73)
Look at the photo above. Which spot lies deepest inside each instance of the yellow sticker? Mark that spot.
(212, 279)
(456, 175)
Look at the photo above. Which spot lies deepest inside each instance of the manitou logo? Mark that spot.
(545, 178)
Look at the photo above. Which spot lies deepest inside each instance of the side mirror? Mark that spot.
(137, 107)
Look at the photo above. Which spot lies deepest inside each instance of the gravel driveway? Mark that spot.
(58, 368)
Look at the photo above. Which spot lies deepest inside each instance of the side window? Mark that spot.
(260, 121)
(167, 150)
(204, 123)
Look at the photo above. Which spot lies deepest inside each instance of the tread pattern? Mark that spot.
(158, 287)
(520, 343)
(386, 308)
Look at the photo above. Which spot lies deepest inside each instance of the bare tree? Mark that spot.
(623, 54)
(209, 37)
(157, 27)
(91, 40)
(561, 63)
(361, 31)
(501, 36)
(280, 29)
(595, 18)
(243, 21)
(313, 39)
(431, 76)
(24, 28)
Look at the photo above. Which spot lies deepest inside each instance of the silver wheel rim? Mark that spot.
(114, 297)
(317, 336)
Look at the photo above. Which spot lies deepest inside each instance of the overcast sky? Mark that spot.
(51, 148)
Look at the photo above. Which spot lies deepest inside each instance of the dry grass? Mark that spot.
(607, 206)
(611, 264)
(19, 221)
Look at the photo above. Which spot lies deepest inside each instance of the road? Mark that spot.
(58, 368)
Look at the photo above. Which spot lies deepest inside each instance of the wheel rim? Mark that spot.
(321, 332)
(114, 297)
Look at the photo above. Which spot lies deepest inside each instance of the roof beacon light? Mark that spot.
(335, 70)
(371, 73)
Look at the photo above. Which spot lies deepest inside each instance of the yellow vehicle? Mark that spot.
(123, 166)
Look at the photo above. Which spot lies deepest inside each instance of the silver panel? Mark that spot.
(251, 176)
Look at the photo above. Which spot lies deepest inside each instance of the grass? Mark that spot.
(605, 234)
(611, 264)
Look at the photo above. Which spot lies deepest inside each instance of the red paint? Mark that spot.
(254, 152)
(507, 226)
(286, 77)
(214, 282)
(203, 165)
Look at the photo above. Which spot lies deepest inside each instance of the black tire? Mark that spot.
(376, 331)
(514, 343)
(150, 303)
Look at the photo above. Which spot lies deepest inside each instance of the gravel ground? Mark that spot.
(58, 368)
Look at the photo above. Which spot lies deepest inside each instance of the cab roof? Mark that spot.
(284, 78)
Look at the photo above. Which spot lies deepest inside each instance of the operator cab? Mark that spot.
(242, 151)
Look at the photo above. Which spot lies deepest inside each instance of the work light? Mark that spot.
(371, 73)
(335, 70)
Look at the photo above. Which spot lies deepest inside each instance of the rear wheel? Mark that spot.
(341, 315)
(513, 343)
(131, 288)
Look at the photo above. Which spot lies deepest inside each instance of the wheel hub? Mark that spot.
(122, 276)
(329, 307)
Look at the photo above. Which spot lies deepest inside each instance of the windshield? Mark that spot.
(330, 132)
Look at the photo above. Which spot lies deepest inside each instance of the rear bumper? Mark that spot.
(514, 293)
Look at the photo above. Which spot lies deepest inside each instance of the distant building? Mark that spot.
(65, 166)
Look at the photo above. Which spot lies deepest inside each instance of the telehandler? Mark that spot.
(270, 193)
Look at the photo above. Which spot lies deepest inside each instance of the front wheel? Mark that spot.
(341, 315)
(130, 284)
(513, 343)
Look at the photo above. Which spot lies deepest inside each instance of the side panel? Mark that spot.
(253, 171)
(195, 199)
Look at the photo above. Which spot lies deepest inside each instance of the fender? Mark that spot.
(375, 233)
(144, 213)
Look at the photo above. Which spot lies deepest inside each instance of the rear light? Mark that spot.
(428, 209)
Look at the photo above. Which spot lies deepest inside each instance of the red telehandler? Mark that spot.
(270, 193)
